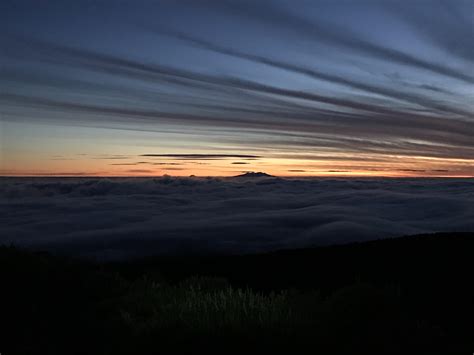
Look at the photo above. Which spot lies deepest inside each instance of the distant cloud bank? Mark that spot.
(120, 218)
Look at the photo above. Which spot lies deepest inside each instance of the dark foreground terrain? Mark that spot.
(404, 295)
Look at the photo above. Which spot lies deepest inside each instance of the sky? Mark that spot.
(220, 87)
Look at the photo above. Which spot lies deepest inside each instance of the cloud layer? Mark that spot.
(119, 218)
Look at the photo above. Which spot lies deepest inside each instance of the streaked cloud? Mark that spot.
(200, 156)
(299, 87)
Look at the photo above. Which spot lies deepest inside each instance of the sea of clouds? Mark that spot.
(130, 217)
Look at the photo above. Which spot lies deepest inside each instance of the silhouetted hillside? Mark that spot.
(386, 297)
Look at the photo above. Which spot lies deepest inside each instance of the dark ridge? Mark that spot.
(327, 267)
(392, 296)
(252, 174)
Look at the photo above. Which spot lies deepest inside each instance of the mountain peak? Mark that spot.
(252, 174)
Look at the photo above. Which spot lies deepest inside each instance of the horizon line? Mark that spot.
(232, 176)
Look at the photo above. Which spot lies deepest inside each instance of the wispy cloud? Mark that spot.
(200, 156)
(140, 171)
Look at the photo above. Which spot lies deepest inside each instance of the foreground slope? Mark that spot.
(387, 296)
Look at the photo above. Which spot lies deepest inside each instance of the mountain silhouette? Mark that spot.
(251, 174)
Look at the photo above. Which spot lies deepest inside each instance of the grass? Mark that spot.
(203, 305)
